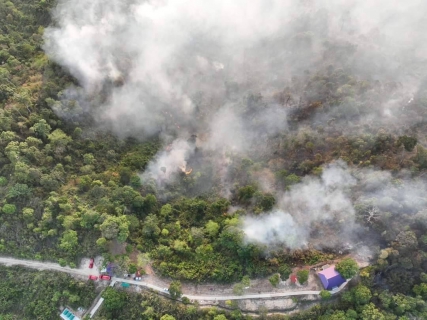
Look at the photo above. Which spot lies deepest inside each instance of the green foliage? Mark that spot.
(212, 228)
(246, 281)
(408, 142)
(115, 228)
(347, 267)
(175, 289)
(246, 193)
(9, 208)
(132, 268)
(3, 181)
(72, 189)
(150, 227)
(238, 288)
(274, 279)
(166, 210)
(325, 294)
(41, 129)
(30, 294)
(19, 190)
(185, 300)
(284, 271)
(361, 294)
(369, 312)
(28, 213)
(167, 317)
(69, 240)
(114, 299)
(302, 276)
(421, 290)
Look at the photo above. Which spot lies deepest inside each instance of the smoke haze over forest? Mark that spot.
(233, 75)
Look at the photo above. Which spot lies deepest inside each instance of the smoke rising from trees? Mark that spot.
(315, 200)
(214, 69)
(334, 206)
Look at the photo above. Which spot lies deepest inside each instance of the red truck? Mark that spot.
(105, 277)
(91, 261)
(93, 277)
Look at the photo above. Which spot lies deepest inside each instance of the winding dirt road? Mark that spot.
(86, 272)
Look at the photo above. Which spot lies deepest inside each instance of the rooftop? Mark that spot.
(329, 272)
(330, 278)
(68, 315)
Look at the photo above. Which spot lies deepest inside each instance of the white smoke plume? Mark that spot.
(166, 65)
(183, 67)
(277, 227)
(314, 200)
(168, 163)
(321, 211)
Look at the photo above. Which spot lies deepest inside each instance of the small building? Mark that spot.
(330, 278)
(68, 315)
(293, 278)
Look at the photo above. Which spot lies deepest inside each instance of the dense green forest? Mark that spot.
(69, 189)
(27, 294)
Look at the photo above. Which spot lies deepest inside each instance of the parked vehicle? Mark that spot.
(137, 278)
(91, 277)
(91, 262)
(105, 277)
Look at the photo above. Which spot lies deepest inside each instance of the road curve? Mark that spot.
(56, 267)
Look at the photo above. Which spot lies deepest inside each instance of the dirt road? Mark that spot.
(222, 297)
(39, 265)
(86, 272)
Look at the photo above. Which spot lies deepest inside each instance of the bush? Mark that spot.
(274, 279)
(132, 268)
(3, 181)
(238, 289)
(284, 271)
(302, 276)
(347, 268)
(185, 300)
(9, 208)
(246, 281)
(325, 295)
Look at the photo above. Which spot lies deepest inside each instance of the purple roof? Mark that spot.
(330, 278)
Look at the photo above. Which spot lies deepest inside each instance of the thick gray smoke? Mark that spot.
(213, 69)
(314, 200)
(171, 65)
(321, 211)
(168, 163)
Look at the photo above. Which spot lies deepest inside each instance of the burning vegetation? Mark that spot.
(222, 139)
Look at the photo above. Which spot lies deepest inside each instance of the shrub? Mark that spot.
(302, 276)
(274, 279)
(325, 295)
(9, 208)
(347, 268)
